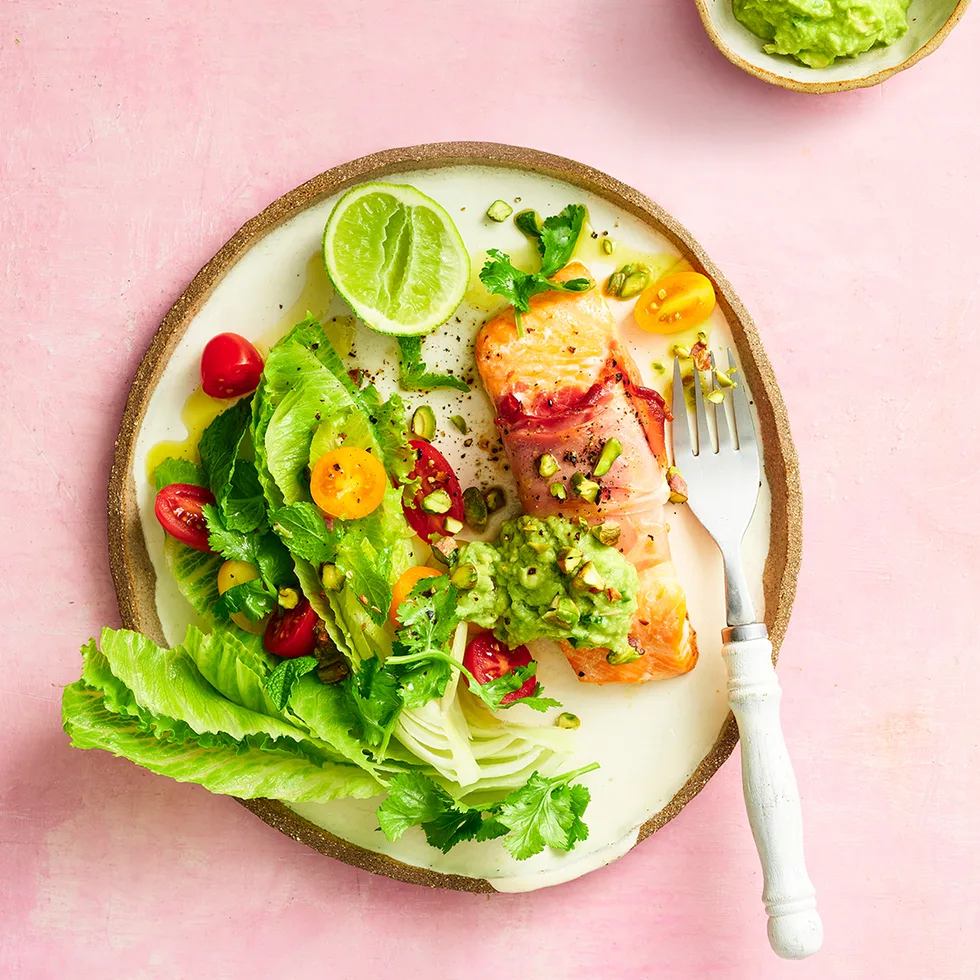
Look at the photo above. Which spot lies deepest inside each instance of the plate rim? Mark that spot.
(132, 573)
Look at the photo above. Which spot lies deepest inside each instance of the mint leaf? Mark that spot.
(415, 376)
(265, 551)
(412, 799)
(244, 507)
(304, 532)
(279, 684)
(219, 444)
(273, 561)
(174, 470)
(251, 598)
(559, 236)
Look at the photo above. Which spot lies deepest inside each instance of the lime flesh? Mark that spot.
(396, 258)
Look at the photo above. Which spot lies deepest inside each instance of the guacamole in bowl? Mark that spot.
(818, 32)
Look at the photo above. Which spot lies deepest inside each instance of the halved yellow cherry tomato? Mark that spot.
(234, 573)
(348, 482)
(675, 302)
(406, 582)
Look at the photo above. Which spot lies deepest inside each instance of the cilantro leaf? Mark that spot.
(451, 827)
(265, 551)
(305, 532)
(374, 691)
(415, 376)
(559, 236)
(279, 684)
(556, 243)
(251, 598)
(412, 799)
(545, 813)
(428, 616)
(493, 692)
(172, 470)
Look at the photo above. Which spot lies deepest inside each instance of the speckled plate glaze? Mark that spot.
(658, 743)
(929, 23)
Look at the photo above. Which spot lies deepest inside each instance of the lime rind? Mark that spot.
(396, 258)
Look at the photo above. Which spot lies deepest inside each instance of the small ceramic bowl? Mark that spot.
(929, 23)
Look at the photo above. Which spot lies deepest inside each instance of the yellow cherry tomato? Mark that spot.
(676, 302)
(234, 573)
(406, 582)
(348, 483)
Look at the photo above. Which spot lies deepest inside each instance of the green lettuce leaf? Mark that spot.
(245, 770)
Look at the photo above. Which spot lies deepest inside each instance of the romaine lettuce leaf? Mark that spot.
(245, 770)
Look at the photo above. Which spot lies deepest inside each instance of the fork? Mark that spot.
(723, 486)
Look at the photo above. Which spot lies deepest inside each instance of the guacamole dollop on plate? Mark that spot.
(817, 32)
(550, 579)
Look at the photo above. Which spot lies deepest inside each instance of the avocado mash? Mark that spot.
(551, 579)
(816, 32)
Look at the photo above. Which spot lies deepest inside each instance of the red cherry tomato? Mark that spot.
(178, 509)
(436, 474)
(230, 366)
(486, 658)
(292, 632)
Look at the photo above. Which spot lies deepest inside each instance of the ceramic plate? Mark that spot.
(657, 743)
(930, 21)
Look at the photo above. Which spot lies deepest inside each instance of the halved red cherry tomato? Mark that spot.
(230, 366)
(435, 473)
(486, 658)
(178, 509)
(291, 632)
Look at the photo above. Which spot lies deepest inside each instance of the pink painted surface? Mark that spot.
(134, 142)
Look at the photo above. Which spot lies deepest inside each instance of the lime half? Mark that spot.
(396, 258)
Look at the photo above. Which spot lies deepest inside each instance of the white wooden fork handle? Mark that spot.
(771, 796)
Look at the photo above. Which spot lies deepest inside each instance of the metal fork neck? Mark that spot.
(741, 611)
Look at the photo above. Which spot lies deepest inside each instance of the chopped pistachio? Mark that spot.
(495, 498)
(624, 657)
(567, 720)
(612, 449)
(460, 423)
(444, 548)
(679, 351)
(538, 543)
(588, 579)
(608, 246)
(331, 577)
(716, 396)
(658, 366)
(563, 612)
(499, 211)
(558, 491)
(530, 578)
(702, 337)
(635, 284)
(529, 222)
(724, 380)
(526, 523)
(607, 532)
(288, 598)
(677, 484)
(424, 423)
(474, 509)
(437, 502)
(464, 576)
(615, 283)
(451, 526)
(547, 465)
(585, 488)
(569, 559)
(613, 594)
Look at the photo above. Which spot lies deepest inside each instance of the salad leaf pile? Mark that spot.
(218, 710)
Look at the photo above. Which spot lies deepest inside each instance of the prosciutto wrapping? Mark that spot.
(564, 389)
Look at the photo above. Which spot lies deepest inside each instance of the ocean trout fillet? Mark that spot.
(564, 388)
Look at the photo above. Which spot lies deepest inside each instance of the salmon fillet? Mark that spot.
(564, 388)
